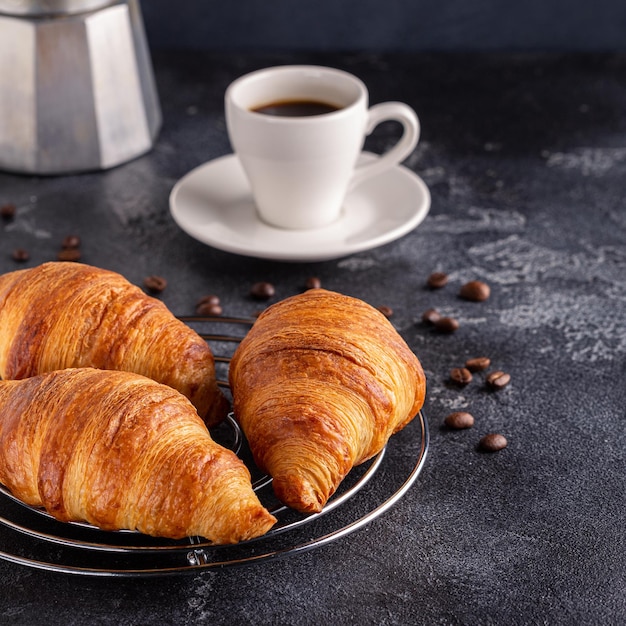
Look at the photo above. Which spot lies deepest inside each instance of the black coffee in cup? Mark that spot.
(296, 108)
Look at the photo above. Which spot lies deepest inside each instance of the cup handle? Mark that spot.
(387, 111)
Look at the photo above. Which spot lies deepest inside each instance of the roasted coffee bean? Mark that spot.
(209, 299)
(69, 254)
(446, 325)
(19, 254)
(460, 375)
(262, 291)
(478, 364)
(156, 284)
(210, 309)
(475, 290)
(313, 283)
(387, 311)
(71, 241)
(497, 380)
(209, 305)
(459, 420)
(437, 280)
(431, 316)
(8, 210)
(492, 442)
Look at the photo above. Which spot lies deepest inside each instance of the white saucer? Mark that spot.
(214, 205)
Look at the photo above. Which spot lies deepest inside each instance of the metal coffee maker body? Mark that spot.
(77, 90)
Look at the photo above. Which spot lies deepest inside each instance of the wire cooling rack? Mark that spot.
(32, 538)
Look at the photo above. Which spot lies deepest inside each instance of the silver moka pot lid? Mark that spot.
(50, 7)
(77, 90)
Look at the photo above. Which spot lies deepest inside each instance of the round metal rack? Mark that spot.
(32, 538)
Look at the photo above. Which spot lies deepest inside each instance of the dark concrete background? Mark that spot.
(525, 157)
(392, 25)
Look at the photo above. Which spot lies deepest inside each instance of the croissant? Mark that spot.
(121, 451)
(319, 384)
(60, 315)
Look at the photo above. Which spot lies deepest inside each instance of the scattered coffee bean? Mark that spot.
(498, 380)
(431, 316)
(387, 311)
(69, 254)
(208, 299)
(478, 364)
(209, 309)
(492, 442)
(446, 325)
(437, 280)
(262, 291)
(460, 375)
(209, 305)
(475, 290)
(155, 284)
(71, 241)
(21, 255)
(8, 210)
(313, 283)
(459, 420)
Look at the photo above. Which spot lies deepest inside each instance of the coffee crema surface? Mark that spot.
(296, 108)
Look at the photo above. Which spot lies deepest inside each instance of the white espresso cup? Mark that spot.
(300, 167)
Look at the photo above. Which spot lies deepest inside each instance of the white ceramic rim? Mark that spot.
(235, 92)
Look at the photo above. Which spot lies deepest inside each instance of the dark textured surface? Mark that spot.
(398, 25)
(526, 161)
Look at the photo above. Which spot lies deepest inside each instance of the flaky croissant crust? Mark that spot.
(320, 383)
(61, 315)
(121, 451)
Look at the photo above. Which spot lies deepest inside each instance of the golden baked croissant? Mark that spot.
(122, 451)
(319, 384)
(61, 315)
